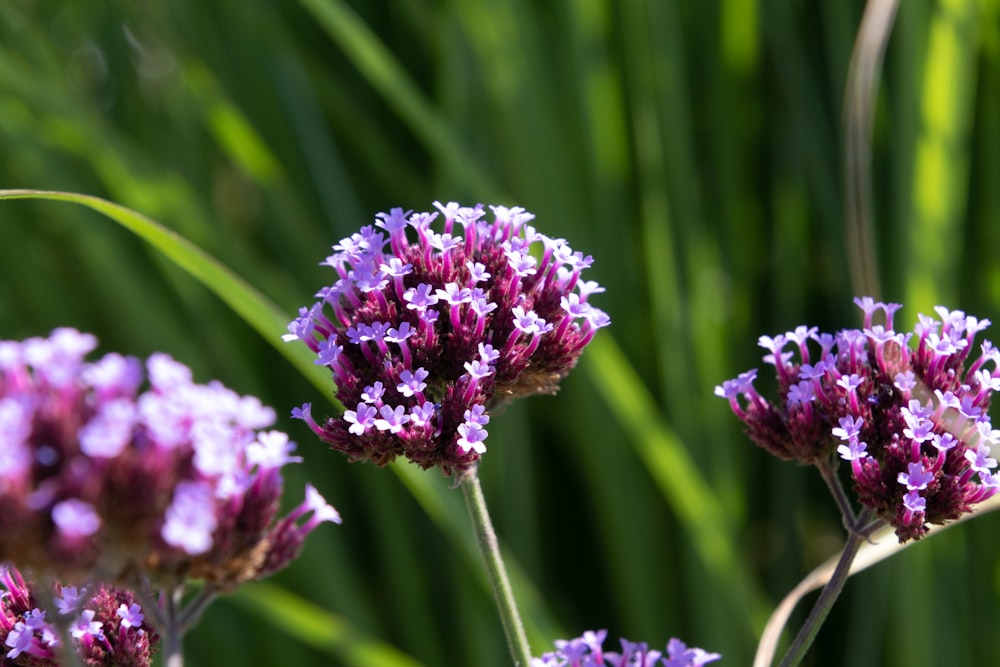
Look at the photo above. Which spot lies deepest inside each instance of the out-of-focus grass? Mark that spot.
(693, 148)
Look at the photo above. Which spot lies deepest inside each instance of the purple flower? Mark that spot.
(75, 518)
(913, 502)
(420, 298)
(849, 428)
(908, 411)
(393, 419)
(473, 316)
(980, 460)
(587, 651)
(19, 639)
(85, 625)
(68, 600)
(99, 478)
(679, 655)
(472, 437)
(916, 478)
(107, 626)
(362, 419)
(412, 383)
(131, 615)
(853, 450)
(190, 518)
(271, 450)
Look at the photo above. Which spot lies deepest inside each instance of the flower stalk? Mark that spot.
(809, 630)
(517, 640)
(828, 471)
(173, 652)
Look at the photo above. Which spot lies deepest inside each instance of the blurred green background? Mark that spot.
(693, 148)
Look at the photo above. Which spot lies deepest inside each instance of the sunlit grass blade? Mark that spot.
(255, 309)
(317, 627)
(940, 170)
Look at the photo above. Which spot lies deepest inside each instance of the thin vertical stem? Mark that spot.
(828, 470)
(517, 640)
(173, 653)
(175, 618)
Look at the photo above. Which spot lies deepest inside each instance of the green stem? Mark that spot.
(828, 470)
(830, 593)
(513, 628)
(173, 649)
(175, 618)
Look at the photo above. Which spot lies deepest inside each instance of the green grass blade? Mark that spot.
(317, 627)
(262, 315)
(383, 71)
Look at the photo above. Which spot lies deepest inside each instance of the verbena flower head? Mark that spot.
(908, 411)
(587, 651)
(426, 332)
(107, 627)
(101, 481)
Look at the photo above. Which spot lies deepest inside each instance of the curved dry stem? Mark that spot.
(880, 544)
(859, 112)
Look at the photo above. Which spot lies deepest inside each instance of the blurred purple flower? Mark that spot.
(587, 651)
(98, 478)
(102, 635)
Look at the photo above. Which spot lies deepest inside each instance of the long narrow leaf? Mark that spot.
(262, 315)
(317, 627)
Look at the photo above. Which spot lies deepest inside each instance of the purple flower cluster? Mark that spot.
(423, 337)
(101, 481)
(587, 651)
(905, 410)
(107, 627)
